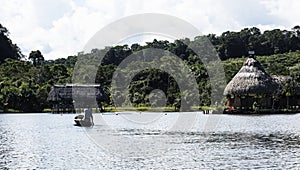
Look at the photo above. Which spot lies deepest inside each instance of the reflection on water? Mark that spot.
(46, 141)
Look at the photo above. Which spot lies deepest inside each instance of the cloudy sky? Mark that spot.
(59, 28)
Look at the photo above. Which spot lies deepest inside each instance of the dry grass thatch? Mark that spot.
(251, 79)
(284, 80)
(73, 92)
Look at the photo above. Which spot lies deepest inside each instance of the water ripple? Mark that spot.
(45, 141)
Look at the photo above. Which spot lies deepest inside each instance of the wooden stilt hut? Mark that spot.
(289, 95)
(73, 98)
(297, 97)
(251, 89)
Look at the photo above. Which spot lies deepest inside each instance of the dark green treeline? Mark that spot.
(26, 81)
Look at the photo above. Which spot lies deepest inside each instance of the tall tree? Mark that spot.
(7, 48)
(36, 57)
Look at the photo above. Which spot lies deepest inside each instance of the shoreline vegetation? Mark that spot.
(123, 109)
(143, 109)
(25, 81)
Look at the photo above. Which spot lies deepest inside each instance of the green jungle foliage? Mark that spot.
(26, 82)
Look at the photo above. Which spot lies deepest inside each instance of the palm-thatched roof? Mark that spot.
(251, 80)
(287, 81)
(72, 92)
(282, 80)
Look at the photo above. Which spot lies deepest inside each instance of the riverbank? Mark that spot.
(203, 109)
(156, 109)
(120, 109)
(261, 112)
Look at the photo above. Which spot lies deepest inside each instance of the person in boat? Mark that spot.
(228, 107)
(88, 115)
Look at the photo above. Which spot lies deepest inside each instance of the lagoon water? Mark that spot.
(149, 140)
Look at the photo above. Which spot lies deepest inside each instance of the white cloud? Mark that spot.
(285, 10)
(48, 11)
(62, 27)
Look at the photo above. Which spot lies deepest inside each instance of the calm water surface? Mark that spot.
(46, 141)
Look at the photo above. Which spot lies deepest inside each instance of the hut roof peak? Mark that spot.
(251, 79)
(251, 62)
(254, 64)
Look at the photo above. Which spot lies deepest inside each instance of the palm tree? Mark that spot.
(36, 57)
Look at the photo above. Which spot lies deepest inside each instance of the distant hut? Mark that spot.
(297, 97)
(289, 93)
(251, 88)
(65, 98)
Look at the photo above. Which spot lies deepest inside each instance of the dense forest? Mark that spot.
(26, 80)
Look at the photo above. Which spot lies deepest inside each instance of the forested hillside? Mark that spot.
(26, 81)
(7, 48)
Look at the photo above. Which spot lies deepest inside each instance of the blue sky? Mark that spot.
(59, 28)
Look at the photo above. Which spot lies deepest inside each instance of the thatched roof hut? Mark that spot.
(287, 80)
(72, 92)
(281, 80)
(297, 89)
(251, 80)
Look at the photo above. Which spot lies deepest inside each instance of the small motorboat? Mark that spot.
(80, 121)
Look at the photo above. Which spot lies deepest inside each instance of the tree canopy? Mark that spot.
(24, 85)
(7, 48)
